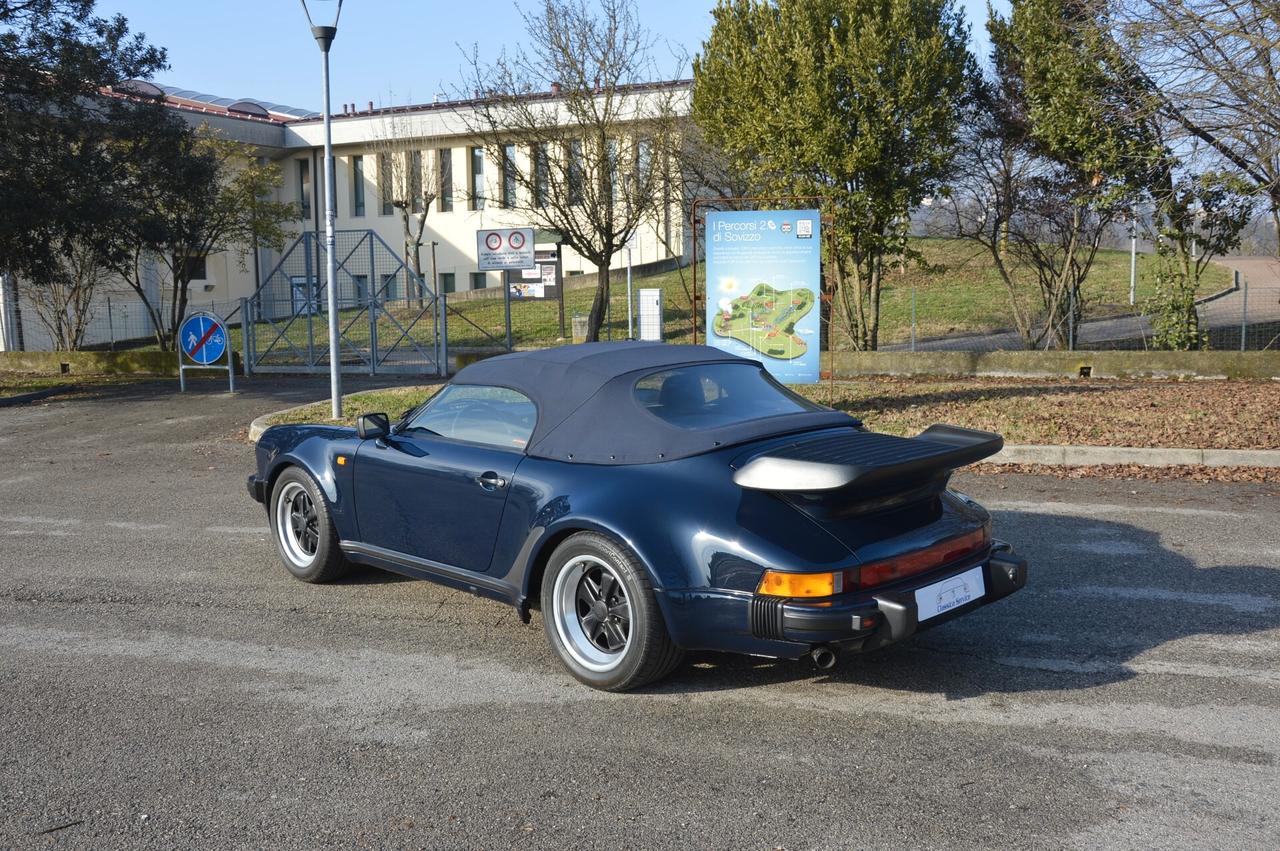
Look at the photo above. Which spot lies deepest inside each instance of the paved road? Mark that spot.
(164, 684)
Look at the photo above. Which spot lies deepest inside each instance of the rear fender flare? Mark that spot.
(542, 541)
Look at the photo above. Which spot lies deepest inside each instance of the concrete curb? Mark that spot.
(1056, 456)
(1081, 456)
(259, 425)
(36, 395)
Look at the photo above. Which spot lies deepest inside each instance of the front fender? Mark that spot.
(315, 449)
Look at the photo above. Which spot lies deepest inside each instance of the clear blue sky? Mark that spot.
(387, 50)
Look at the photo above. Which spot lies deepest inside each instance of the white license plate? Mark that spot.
(950, 593)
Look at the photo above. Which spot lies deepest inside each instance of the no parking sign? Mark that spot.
(203, 343)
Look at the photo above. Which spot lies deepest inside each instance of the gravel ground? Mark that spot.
(1195, 414)
(1191, 413)
(165, 684)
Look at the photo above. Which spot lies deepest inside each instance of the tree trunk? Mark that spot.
(596, 318)
(873, 299)
(1275, 221)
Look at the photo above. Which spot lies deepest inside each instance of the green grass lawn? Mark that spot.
(959, 292)
(962, 292)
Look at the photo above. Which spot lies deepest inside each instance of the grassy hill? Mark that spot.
(960, 292)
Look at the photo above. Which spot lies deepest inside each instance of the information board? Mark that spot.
(763, 285)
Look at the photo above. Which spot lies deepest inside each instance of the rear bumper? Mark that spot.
(880, 618)
(892, 616)
(257, 489)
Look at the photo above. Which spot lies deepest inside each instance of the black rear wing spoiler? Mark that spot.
(866, 459)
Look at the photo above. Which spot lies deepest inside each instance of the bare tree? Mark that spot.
(1040, 223)
(583, 141)
(1215, 65)
(407, 169)
(64, 304)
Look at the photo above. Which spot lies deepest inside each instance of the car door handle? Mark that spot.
(490, 481)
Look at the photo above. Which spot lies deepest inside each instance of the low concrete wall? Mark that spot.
(1061, 364)
(94, 363)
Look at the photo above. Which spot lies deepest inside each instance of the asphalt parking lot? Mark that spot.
(164, 683)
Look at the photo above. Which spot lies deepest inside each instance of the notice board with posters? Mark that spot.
(540, 282)
(763, 283)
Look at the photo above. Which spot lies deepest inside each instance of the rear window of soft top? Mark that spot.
(717, 394)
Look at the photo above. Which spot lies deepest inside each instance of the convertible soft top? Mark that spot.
(588, 411)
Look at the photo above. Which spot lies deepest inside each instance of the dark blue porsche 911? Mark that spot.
(649, 499)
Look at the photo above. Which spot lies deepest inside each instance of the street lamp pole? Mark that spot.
(324, 34)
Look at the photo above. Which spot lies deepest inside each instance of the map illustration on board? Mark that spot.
(765, 319)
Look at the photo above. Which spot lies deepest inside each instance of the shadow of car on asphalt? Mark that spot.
(1101, 596)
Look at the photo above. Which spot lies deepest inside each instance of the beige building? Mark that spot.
(471, 194)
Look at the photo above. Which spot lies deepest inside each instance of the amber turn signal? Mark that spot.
(776, 583)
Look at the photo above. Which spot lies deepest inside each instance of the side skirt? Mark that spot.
(421, 568)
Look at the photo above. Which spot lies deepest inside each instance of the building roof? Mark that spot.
(446, 104)
(189, 99)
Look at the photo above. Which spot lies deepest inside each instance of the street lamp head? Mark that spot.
(322, 15)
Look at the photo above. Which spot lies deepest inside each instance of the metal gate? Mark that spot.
(388, 317)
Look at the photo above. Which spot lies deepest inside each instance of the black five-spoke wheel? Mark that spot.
(303, 529)
(601, 616)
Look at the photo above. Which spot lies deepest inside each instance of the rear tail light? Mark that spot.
(908, 564)
(778, 583)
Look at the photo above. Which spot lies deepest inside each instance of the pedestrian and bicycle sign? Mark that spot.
(503, 249)
(204, 338)
(203, 343)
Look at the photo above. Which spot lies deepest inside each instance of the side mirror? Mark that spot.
(371, 426)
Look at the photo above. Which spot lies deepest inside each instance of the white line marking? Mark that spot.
(39, 521)
(16, 480)
(1240, 602)
(238, 530)
(44, 533)
(135, 527)
(1100, 511)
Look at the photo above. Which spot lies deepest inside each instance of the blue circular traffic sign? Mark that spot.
(204, 338)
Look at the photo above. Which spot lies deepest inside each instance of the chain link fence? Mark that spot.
(1242, 317)
(388, 317)
(391, 321)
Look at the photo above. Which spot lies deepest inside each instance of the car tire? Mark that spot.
(302, 528)
(601, 616)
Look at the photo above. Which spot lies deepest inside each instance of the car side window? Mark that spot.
(495, 416)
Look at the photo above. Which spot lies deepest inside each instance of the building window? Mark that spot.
(360, 288)
(541, 177)
(574, 155)
(447, 284)
(304, 188)
(477, 179)
(195, 269)
(415, 180)
(390, 286)
(444, 179)
(644, 167)
(611, 169)
(384, 184)
(479, 280)
(508, 176)
(357, 186)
